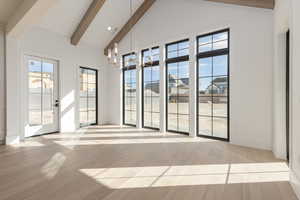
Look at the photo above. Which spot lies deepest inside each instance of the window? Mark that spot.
(177, 65)
(150, 88)
(88, 96)
(129, 90)
(213, 82)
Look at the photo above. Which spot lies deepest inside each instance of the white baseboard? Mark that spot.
(14, 139)
(295, 182)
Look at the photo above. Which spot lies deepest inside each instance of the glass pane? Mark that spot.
(220, 86)
(147, 104)
(205, 106)
(183, 105)
(205, 40)
(92, 103)
(127, 103)
(220, 36)
(183, 123)
(155, 73)
(92, 76)
(156, 104)
(155, 120)
(220, 127)
(172, 54)
(83, 118)
(205, 126)
(205, 86)
(147, 74)
(133, 103)
(133, 117)
(183, 70)
(183, 52)
(127, 77)
(205, 67)
(155, 89)
(220, 106)
(92, 117)
(220, 45)
(220, 67)
(172, 47)
(172, 122)
(147, 119)
(172, 70)
(205, 47)
(83, 89)
(84, 75)
(183, 45)
(92, 90)
(83, 104)
(35, 92)
(172, 105)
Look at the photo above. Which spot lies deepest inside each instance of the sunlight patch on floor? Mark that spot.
(108, 135)
(52, 167)
(133, 141)
(189, 175)
(28, 144)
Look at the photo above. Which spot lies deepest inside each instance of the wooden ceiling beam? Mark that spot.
(139, 13)
(269, 4)
(87, 19)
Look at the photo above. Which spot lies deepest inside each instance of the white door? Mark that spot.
(43, 98)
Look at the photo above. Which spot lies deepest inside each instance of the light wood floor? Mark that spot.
(109, 163)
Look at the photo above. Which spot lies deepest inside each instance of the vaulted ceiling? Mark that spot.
(7, 7)
(64, 17)
(114, 13)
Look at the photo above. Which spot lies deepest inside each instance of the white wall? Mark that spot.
(295, 123)
(40, 42)
(251, 51)
(2, 86)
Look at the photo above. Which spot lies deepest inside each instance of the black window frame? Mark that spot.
(124, 69)
(184, 58)
(208, 54)
(145, 65)
(97, 120)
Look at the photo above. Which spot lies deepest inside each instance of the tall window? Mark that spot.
(213, 81)
(151, 105)
(88, 96)
(129, 90)
(177, 63)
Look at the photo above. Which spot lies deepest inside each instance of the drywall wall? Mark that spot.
(251, 59)
(281, 26)
(2, 85)
(295, 73)
(42, 43)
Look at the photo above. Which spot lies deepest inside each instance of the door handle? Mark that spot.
(56, 103)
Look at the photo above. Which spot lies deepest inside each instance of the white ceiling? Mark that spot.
(64, 17)
(7, 8)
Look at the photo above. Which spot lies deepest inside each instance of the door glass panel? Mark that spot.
(35, 92)
(48, 93)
